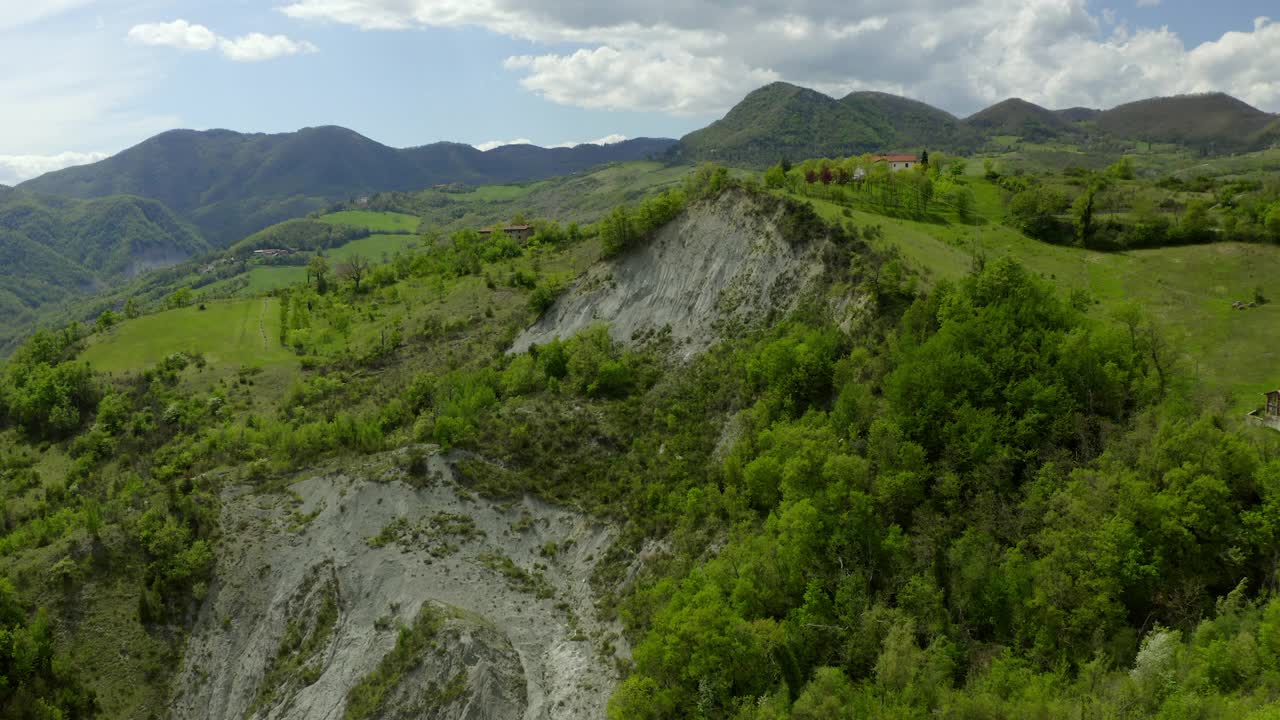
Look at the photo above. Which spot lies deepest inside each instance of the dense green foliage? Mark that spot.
(961, 524)
(35, 683)
(300, 235)
(979, 502)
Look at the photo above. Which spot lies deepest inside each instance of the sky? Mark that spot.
(82, 79)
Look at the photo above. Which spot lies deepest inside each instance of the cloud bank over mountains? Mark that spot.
(697, 57)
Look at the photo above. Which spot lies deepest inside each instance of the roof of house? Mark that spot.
(509, 228)
(898, 158)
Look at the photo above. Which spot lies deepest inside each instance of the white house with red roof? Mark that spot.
(899, 162)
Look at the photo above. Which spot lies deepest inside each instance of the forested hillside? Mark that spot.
(783, 120)
(830, 488)
(1020, 118)
(1212, 122)
(53, 249)
(231, 184)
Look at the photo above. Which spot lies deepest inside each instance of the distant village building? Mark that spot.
(273, 252)
(520, 233)
(899, 162)
(362, 201)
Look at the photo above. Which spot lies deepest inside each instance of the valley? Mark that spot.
(791, 434)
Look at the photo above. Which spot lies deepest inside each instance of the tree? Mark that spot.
(1082, 215)
(354, 268)
(131, 309)
(1122, 170)
(106, 320)
(962, 198)
(924, 158)
(179, 298)
(1273, 222)
(1034, 211)
(317, 270)
(775, 177)
(1197, 224)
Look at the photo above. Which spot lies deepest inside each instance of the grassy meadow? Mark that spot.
(386, 222)
(377, 248)
(230, 335)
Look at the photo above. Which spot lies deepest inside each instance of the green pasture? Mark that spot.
(386, 222)
(375, 247)
(230, 335)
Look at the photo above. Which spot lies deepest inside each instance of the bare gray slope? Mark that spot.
(308, 599)
(722, 265)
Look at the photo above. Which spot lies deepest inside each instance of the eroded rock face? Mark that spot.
(311, 596)
(722, 266)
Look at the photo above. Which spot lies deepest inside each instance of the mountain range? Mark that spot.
(784, 120)
(184, 192)
(231, 184)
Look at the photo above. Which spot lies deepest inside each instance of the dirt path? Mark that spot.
(262, 322)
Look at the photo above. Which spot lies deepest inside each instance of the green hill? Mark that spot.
(785, 120)
(1212, 122)
(53, 249)
(1022, 119)
(914, 124)
(231, 184)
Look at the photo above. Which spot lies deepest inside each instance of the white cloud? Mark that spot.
(1149, 3)
(636, 79)
(183, 35)
(491, 144)
(606, 140)
(177, 34)
(17, 168)
(255, 47)
(697, 57)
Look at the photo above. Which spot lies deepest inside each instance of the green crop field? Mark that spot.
(375, 247)
(388, 222)
(230, 335)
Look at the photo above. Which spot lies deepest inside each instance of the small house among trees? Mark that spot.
(898, 162)
(519, 233)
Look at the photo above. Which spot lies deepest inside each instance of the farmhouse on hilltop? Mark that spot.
(899, 162)
(519, 233)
